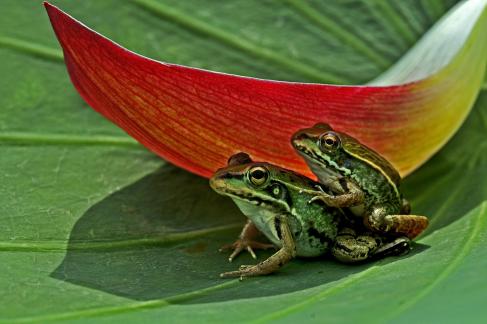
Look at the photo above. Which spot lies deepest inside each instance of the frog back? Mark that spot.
(367, 155)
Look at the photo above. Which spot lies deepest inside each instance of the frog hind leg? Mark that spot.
(405, 207)
(350, 194)
(350, 247)
(399, 246)
(275, 261)
(246, 241)
(401, 225)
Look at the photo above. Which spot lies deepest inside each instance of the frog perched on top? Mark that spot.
(359, 178)
(277, 203)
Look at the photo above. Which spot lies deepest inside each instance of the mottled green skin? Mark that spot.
(375, 176)
(313, 226)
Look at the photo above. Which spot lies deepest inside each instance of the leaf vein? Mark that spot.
(339, 32)
(31, 48)
(326, 293)
(53, 246)
(101, 311)
(25, 138)
(232, 41)
(396, 21)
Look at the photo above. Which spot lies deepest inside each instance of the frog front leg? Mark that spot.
(348, 194)
(246, 241)
(275, 261)
(409, 225)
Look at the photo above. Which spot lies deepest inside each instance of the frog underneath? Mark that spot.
(360, 179)
(277, 204)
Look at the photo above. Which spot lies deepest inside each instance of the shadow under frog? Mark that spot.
(159, 237)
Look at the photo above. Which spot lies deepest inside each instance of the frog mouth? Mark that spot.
(319, 166)
(255, 201)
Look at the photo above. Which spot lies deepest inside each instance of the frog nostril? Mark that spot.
(298, 138)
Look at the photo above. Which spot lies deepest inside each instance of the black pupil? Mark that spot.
(258, 174)
(329, 141)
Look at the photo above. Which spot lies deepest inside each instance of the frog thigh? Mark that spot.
(349, 247)
(408, 225)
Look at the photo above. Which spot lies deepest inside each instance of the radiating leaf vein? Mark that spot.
(30, 48)
(25, 138)
(238, 43)
(167, 238)
(339, 32)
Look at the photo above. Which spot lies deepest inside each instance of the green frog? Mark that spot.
(359, 179)
(277, 203)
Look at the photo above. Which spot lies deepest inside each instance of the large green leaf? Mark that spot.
(94, 225)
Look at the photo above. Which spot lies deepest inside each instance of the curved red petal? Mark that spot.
(196, 119)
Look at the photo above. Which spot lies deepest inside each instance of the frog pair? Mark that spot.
(355, 211)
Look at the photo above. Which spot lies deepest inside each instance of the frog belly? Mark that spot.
(262, 219)
(306, 245)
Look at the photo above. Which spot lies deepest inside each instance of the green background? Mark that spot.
(95, 227)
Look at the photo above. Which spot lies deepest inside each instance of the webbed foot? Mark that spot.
(400, 225)
(275, 261)
(243, 244)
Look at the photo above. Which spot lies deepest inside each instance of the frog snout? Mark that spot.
(217, 181)
(298, 139)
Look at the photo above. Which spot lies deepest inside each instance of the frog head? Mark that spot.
(256, 183)
(330, 153)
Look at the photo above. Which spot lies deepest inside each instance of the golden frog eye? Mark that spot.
(329, 141)
(258, 175)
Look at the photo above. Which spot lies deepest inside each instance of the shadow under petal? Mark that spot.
(159, 238)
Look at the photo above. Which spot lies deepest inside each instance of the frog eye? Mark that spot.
(258, 175)
(329, 141)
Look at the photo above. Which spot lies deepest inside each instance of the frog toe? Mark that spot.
(248, 245)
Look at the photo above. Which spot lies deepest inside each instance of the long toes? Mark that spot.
(230, 274)
(313, 199)
(251, 251)
(263, 246)
(234, 274)
(235, 252)
(226, 247)
(320, 188)
(245, 266)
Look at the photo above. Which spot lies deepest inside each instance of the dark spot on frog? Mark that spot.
(343, 183)
(344, 247)
(230, 175)
(277, 224)
(196, 248)
(320, 236)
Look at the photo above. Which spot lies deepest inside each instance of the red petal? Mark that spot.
(196, 119)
